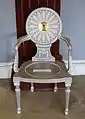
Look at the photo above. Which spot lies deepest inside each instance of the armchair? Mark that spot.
(43, 27)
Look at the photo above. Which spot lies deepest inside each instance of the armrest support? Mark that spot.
(67, 41)
(15, 58)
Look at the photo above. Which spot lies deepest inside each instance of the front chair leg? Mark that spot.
(17, 91)
(67, 91)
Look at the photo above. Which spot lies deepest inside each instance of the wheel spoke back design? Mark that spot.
(43, 26)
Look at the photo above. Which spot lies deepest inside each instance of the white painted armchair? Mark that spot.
(43, 27)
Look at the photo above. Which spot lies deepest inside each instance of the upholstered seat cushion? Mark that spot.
(42, 70)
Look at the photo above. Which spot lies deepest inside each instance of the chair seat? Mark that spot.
(36, 71)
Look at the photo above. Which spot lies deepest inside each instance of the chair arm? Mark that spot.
(67, 41)
(19, 41)
(69, 45)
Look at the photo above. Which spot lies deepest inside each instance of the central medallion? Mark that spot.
(43, 26)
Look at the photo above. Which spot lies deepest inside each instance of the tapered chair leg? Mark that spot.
(17, 90)
(67, 91)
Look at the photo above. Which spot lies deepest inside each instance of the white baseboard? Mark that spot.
(78, 68)
(5, 70)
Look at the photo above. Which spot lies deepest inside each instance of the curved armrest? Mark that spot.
(19, 41)
(67, 41)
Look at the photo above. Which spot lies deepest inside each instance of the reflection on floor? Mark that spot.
(44, 104)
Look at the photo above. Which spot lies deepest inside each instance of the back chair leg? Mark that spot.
(55, 87)
(32, 87)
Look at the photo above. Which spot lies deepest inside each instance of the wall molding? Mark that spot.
(78, 68)
(5, 70)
